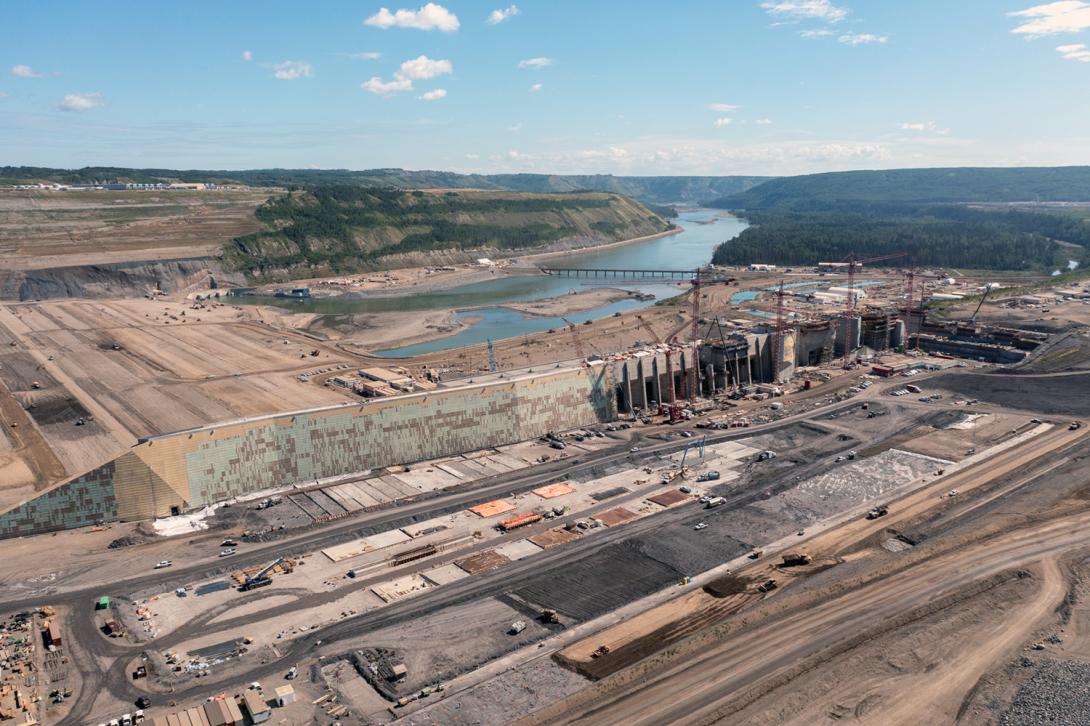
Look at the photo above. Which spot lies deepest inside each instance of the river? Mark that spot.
(702, 231)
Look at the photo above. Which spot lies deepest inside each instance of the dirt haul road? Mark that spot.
(714, 681)
(705, 687)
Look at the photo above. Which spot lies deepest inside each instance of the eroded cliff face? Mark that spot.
(121, 279)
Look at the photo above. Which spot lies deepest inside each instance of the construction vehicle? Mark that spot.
(767, 586)
(548, 615)
(292, 673)
(766, 455)
(972, 318)
(261, 579)
(877, 512)
(517, 627)
(715, 502)
(600, 651)
(796, 559)
(1074, 426)
(492, 365)
(708, 476)
(756, 554)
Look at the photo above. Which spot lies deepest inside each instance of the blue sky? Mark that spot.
(565, 86)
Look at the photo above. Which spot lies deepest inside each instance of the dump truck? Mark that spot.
(877, 512)
(548, 615)
(767, 586)
(600, 651)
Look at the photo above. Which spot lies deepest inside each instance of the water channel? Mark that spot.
(702, 231)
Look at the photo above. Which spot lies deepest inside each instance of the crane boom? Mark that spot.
(972, 320)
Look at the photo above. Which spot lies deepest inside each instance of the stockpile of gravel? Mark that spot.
(1058, 693)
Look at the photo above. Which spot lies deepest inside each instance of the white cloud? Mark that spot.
(3, 95)
(383, 88)
(516, 127)
(861, 38)
(723, 107)
(247, 55)
(805, 10)
(1065, 16)
(763, 122)
(535, 88)
(822, 33)
(24, 71)
(416, 69)
(367, 55)
(473, 157)
(498, 16)
(724, 121)
(1075, 52)
(433, 95)
(81, 101)
(423, 67)
(922, 126)
(292, 70)
(429, 17)
(538, 62)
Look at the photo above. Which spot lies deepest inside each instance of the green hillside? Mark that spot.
(852, 190)
(346, 227)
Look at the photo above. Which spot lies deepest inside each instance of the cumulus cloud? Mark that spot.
(723, 107)
(386, 88)
(805, 10)
(1075, 52)
(535, 88)
(922, 126)
(763, 121)
(247, 55)
(1065, 16)
(498, 16)
(291, 70)
(423, 67)
(433, 95)
(516, 127)
(861, 38)
(724, 121)
(415, 69)
(25, 71)
(429, 17)
(81, 101)
(539, 62)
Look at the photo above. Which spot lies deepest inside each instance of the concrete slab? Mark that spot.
(357, 547)
(402, 587)
(444, 575)
(493, 508)
(554, 490)
(518, 549)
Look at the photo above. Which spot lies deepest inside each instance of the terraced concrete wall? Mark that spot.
(194, 468)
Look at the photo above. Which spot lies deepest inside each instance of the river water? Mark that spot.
(702, 231)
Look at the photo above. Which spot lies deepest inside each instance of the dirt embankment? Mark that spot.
(121, 279)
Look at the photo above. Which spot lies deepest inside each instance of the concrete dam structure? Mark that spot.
(184, 470)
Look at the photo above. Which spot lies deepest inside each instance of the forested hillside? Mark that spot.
(853, 190)
(345, 227)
